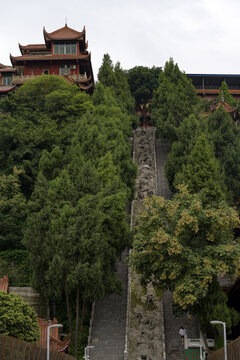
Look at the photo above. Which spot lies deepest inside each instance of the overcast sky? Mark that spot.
(202, 36)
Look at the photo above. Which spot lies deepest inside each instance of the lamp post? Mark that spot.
(216, 322)
(48, 333)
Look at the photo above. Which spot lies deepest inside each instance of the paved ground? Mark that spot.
(109, 325)
(162, 150)
(174, 347)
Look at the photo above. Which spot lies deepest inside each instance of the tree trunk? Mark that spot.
(82, 318)
(68, 312)
(77, 320)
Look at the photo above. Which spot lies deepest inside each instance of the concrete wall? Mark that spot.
(34, 299)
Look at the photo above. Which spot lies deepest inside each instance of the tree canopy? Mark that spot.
(173, 100)
(12, 212)
(184, 244)
(142, 82)
(41, 115)
(17, 318)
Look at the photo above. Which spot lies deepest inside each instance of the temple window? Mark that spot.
(46, 72)
(64, 69)
(7, 79)
(64, 48)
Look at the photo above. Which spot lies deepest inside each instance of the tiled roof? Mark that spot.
(49, 57)
(32, 47)
(64, 33)
(226, 107)
(4, 89)
(4, 283)
(7, 69)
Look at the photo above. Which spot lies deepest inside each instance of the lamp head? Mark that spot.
(214, 322)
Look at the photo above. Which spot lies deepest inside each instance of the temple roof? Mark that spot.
(7, 69)
(228, 108)
(6, 88)
(32, 47)
(49, 57)
(64, 33)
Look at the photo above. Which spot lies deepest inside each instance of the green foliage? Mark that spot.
(81, 212)
(142, 82)
(15, 264)
(215, 307)
(187, 133)
(12, 212)
(114, 79)
(172, 101)
(17, 319)
(226, 140)
(202, 171)
(42, 114)
(225, 95)
(184, 244)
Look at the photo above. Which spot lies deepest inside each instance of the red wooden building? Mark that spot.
(64, 53)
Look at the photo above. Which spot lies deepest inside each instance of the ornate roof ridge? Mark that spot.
(225, 105)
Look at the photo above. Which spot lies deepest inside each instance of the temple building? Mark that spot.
(6, 74)
(207, 85)
(63, 53)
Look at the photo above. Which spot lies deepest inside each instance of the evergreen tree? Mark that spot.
(172, 101)
(12, 212)
(225, 136)
(225, 95)
(187, 133)
(202, 171)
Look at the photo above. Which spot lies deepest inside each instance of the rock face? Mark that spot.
(145, 335)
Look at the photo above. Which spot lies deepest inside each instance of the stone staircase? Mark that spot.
(173, 345)
(109, 325)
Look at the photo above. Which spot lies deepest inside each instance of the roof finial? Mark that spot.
(65, 21)
(222, 96)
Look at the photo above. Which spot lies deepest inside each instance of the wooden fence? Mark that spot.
(233, 352)
(13, 349)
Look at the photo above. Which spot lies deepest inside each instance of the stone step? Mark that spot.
(109, 323)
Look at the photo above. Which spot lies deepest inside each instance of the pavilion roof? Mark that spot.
(64, 33)
(32, 47)
(228, 108)
(4, 283)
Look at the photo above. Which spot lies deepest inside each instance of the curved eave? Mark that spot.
(85, 87)
(6, 89)
(49, 37)
(229, 109)
(84, 81)
(23, 58)
(33, 47)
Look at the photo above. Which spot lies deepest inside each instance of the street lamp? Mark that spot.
(48, 330)
(86, 350)
(216, 322)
